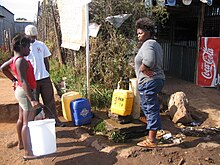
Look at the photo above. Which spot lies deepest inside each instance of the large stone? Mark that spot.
(135, 129)
(178, 108)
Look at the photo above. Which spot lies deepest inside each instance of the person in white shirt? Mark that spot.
(39, 59)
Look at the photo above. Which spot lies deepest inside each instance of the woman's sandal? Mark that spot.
(30, 157)
(147, 144)
(143, 119)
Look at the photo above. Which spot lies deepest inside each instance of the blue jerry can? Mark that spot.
(81, 111)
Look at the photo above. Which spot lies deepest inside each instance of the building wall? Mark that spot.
(6, 24)
(20, 26)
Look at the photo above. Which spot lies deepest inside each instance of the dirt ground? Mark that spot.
(76, 146)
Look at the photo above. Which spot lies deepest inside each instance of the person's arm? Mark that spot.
(146, 70)
(47, 65)
(5, 68)
(148, 61)
(148, 55)
(21, 67)
(46, 55)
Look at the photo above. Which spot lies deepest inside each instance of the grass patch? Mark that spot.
(101, 128)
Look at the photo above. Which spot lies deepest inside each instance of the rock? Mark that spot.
(97, 145)
(200, 132)
(12, 144)
(127, 131)
(181, 162)
(130, 152)
(108, 149)
(210, 160)
(84, 136)
(178, 108)
(208, 145)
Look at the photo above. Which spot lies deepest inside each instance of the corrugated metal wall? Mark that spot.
(180, 59)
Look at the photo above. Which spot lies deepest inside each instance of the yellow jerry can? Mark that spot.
(65, 100)
(122, 102)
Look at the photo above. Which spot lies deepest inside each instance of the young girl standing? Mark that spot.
(19, 70)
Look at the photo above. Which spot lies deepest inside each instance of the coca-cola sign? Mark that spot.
(208, 63)
(207, 75)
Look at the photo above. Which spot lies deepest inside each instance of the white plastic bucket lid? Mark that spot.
(40, 122)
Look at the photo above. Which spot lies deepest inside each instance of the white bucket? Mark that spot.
(43, 136)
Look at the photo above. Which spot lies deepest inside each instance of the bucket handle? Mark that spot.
(46, 107)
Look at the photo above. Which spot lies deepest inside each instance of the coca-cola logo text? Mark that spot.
(208, 62)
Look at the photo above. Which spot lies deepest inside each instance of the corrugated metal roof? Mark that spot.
(1, 9)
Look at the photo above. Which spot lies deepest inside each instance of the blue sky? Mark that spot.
(21, 8)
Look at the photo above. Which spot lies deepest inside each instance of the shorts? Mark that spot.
(22, 99)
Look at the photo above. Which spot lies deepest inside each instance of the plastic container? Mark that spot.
(81, 111)
(122, 102)
(65, 101)
(136, 109)
(43, 136)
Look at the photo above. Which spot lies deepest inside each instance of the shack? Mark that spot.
(180, 35)
(6, 25)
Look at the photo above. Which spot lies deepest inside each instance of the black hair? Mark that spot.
(20, 40)
(146, 24)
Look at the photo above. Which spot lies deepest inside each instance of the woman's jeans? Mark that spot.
(150, 103)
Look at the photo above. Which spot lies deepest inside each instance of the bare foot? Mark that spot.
(30, 157)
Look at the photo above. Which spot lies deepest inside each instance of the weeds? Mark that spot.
(117, 137)
(4, 55)
(100, 96)
(100, 128)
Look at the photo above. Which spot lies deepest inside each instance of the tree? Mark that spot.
(21, 19)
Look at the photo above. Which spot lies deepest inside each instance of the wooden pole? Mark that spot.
(87, 51)
(56, 37)
(38, 12)
(200, 20)
(201, 16)
(9, 41)
(44, 22)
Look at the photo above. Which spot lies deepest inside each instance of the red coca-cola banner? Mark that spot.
(208, 62)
